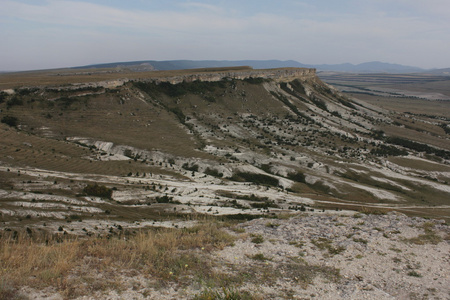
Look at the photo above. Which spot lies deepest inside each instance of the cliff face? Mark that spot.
(279, 75)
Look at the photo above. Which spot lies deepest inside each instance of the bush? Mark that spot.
(164, 199)
(213, 172)
(193, 168)
(10, 120)
(26, 91)
(177, 90)
(385, 150)
(292, 107)
(297, 176)
(319, 103)
(179, 114)
(15, 101)
(257, 239)
(264, 205)
(266, 168)
(254, 80)
(255, 178)
(242, 217)
(419, 147)
(252, 197)
(226, 294)
(98, 191)
(65, 102)
(345, 102)
(209, 98)
(298, 87)
(3, 97)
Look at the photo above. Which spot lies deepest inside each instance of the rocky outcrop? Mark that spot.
(284, 75)
(109, 84)
(279, 75)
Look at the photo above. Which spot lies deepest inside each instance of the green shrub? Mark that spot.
(10, 120)
(213, 172)
(255, 178)
(360, 240)
(254, 80)
(319, 103)
(259, 256)
(257, 239)
(242, 217)
(227, 294)
(264, 205)
(164, 199)
(26, 91)
(326, 244)
(385, 150)
(193, 168)
(98, 191)
(414, 274)
(419, 147)
(3, 97)
(179, 113)
(298, 86)
(297, 176)
(266, 168)
(179, 89)
(292, 107)
(346, 102)
(15, 101)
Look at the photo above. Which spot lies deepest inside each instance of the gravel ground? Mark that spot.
(320, 256)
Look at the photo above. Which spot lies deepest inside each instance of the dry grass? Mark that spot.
(166, 255)
(429, 237)
(69, 76)
(326, 244)
(226, 294)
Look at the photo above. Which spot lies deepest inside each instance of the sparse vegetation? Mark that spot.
(225, 294)
(419, 147)
(385, 150)
(180, 89)
(360, 240)
(429, 237)
(327, 244)
(264, 205)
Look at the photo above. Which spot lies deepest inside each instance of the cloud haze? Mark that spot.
(49, 34)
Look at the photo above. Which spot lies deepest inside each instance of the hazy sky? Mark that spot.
(37, 34)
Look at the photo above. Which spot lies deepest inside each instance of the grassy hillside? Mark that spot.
(168, 148)
(143, 182)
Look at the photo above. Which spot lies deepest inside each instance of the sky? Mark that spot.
(44, 34)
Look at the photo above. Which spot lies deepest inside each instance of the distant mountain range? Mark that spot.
(368, 67)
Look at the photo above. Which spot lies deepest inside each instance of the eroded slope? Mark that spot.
(225, 146)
